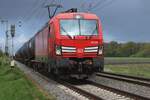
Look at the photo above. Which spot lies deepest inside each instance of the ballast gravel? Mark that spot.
(128, 87)
(106, 95)
(59, 91)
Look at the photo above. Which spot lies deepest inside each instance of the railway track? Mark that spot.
(126, 78)
(79, 90)
(120, 92)
(72, 87)
(93, 90)
(103, 92)
(82, 87)
(67, 84)
(110, 93)
(124, 63)
(87, 88)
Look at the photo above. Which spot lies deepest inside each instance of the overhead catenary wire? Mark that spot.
(39, 12)
(88, 6)
(30, 10)
(97, 4)
(39, 17)
(84, 5)
(92, 6)
(35, 16)
(35, 8)
(104, 5)
(34, 11)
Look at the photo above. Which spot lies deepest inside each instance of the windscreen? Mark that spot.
(73, 27)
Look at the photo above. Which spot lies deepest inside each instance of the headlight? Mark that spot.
(79, 17)
(58, 50)
(100, 51)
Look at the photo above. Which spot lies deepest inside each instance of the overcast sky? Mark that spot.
(122, 20)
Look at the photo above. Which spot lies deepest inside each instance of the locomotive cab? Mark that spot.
(79, 44)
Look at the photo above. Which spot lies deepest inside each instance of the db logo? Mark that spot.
(94, 42)
(80, 50)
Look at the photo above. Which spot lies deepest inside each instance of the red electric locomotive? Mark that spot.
(71, 44)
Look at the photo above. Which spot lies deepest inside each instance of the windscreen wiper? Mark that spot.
(66, 32)
(93, 32)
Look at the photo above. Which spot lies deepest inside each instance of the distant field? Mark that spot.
(141, 70)
(15, 86)
(130, 66)
(125, 60)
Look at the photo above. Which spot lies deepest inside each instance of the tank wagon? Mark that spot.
(71, 44)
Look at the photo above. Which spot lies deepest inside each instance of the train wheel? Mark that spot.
(85, 78)
(49, 68)
(101, 68)
(56, 71)
(35, 67)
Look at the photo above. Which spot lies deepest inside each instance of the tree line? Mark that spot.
(1, 53)
(129, 49)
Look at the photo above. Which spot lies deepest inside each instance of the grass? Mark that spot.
(126, 59)
(15, 86)
(141, 70)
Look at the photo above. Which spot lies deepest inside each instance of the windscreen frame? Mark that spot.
(79, 28)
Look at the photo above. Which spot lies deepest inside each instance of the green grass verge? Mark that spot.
(141, 70)
(15, 86)
(126, 59)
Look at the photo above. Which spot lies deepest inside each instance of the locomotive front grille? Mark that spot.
(68, 49)
(91, 49)
(73, 49)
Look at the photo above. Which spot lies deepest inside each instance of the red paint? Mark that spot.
(80, 42)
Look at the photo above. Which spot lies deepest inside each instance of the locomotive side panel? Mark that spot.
(51, 41)
(45, 44)
(41, 45)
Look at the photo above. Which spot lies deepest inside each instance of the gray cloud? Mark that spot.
(122, 20)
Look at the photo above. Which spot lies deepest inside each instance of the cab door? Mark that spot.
(51, 40)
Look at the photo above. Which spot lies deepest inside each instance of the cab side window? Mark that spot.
(49, 29)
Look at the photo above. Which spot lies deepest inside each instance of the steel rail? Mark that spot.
(128, 76)
(121, 92)
(66, 84)
(78, 90)
(124, 63)
(129, 80)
